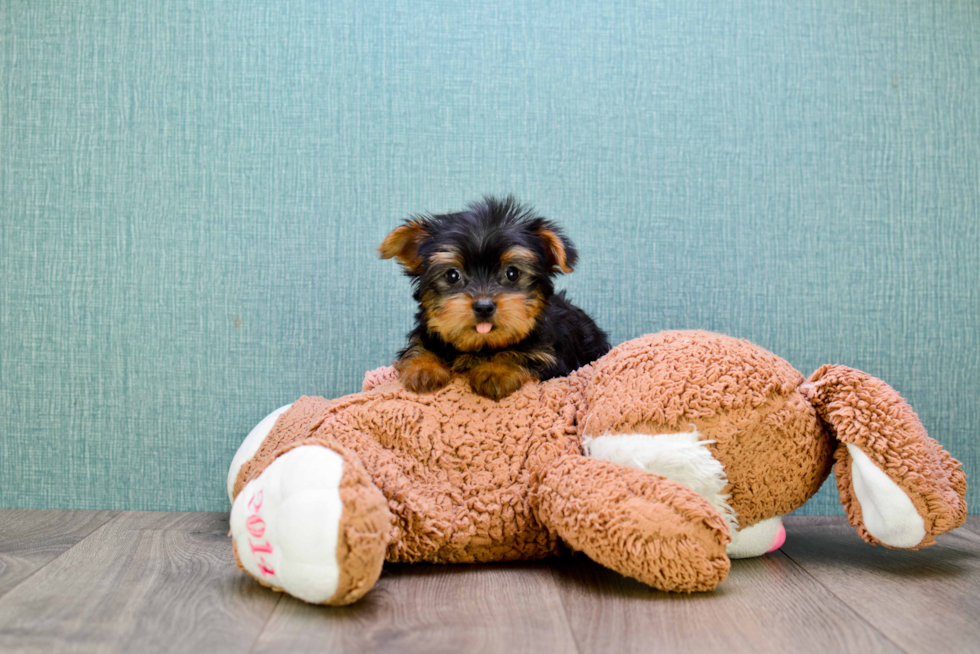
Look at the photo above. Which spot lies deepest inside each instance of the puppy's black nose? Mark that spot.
(484, 308)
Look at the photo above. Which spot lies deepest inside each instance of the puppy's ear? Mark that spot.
(560, 254)
(403, 244)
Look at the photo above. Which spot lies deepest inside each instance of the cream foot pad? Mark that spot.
(285, 523)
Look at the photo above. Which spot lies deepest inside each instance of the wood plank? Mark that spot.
(927, 600)
(166, 582)
(143, 582)
(433, 608)
(972, 524)
(767, 604)
(29, 539)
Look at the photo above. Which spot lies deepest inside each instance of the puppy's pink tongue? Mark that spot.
(484, 327)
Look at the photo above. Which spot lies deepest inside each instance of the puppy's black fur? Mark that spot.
(487, 306)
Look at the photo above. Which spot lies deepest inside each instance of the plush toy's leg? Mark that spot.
(761, 538)
(313, 524)
(683, 457)
(637, 523)
(900, 488)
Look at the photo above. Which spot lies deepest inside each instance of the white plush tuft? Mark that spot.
(251, 445)
(291, 541)
(889, 514)
(679, 457)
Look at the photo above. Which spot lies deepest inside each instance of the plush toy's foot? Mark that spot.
(761, 538)
(312, 524)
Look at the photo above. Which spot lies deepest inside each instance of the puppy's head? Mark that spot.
(482, 276)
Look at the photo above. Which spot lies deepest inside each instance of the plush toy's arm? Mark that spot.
(639, 524)
(901, 489)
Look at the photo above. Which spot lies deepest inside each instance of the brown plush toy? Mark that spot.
(663, 460)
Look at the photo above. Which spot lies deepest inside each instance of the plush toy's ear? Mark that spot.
(559, 252)
(901, 489)
(403, 244)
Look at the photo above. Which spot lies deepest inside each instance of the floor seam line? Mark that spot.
(20, 583)
(265, 624)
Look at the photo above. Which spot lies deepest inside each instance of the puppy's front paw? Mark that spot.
(497, 381)
(424, 373)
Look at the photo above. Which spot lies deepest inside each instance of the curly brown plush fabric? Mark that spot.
(656, 530)
(453, 477)
(744, 399)
(454, 466)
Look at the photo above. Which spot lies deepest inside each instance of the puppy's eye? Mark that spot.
(513, 274)
(452, 276)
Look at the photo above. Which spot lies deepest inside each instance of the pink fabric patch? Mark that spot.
(778, 539)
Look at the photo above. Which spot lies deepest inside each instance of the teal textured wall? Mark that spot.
(191, 193)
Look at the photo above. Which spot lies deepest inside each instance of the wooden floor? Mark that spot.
(94, 581)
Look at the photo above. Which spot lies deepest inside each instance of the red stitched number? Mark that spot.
(256, 528)
(265, 548)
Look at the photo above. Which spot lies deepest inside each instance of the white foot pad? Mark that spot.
(285, 523)
(251, 445)
(888, 513)
(761, 538)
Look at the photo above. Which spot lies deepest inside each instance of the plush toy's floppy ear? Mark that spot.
(901, 489)
(559, 251)
(403, 244)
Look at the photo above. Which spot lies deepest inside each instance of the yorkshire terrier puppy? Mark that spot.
(487, 306)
